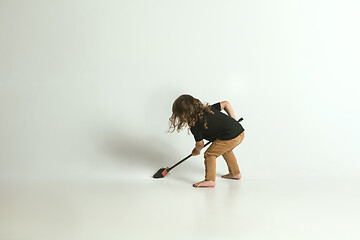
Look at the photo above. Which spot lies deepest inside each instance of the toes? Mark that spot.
(195, 185)
(203, 184)
(229, 176)
(226, 176)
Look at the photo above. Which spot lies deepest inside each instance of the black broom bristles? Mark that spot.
(161, 173)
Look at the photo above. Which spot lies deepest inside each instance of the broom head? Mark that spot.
(161, 173)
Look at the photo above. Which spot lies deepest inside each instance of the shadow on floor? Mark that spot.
(146, 153)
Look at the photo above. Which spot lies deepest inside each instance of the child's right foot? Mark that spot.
(229, 176)
(204, 183)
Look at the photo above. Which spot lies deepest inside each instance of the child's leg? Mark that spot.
(234, 171)
(210, 167)
(210, 170)
(231, 162)
(216, 149)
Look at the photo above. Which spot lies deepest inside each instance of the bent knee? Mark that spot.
(208, 154)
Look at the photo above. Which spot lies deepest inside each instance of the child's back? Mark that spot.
(219, 126)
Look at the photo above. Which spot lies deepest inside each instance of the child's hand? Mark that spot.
(195, 152)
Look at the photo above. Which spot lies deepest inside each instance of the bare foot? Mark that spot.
(229, 176)
(204, 183)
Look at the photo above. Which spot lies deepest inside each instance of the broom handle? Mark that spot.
(191, 153)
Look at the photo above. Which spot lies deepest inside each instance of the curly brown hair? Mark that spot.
(186, 110)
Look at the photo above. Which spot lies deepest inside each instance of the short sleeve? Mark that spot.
(217, 106)
(197, 133)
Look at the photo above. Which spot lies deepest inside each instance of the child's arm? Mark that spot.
(198, 146)
(225, 105)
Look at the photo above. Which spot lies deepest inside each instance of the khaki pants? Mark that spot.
(224, 148)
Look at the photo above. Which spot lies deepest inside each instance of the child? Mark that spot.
(208, 122)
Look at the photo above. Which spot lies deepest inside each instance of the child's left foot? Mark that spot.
(229, 176)
(204, 183)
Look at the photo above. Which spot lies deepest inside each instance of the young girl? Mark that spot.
(208, 122)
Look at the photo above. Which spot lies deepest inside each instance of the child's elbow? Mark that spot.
(224, 104)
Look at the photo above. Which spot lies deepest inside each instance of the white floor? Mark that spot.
(170, 208)
(86, 91)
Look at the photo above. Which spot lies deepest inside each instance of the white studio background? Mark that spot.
(86, 87)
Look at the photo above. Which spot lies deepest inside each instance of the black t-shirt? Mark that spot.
(220, 126)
